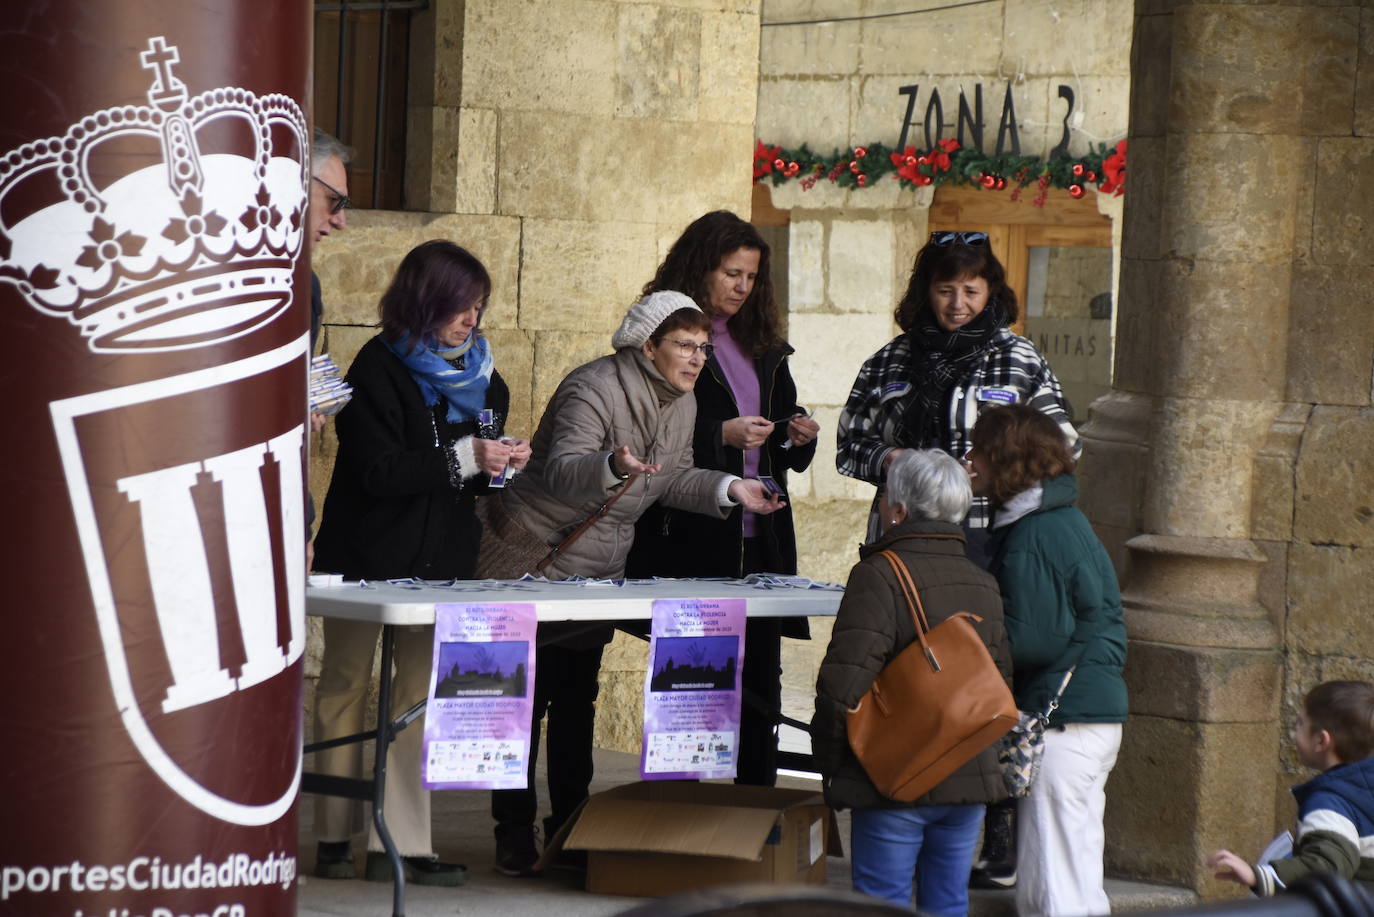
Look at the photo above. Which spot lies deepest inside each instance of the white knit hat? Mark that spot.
(646, 315)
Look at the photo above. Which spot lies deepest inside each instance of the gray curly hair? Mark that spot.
(930, 485)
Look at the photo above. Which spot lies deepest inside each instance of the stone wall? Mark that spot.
(1238, 435)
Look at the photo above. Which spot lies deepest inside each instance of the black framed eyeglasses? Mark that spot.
(339, 201)
(963, 238)
(688, 349)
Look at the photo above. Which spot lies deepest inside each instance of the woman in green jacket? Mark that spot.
(1062, 609)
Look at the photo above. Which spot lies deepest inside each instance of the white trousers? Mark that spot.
(340, 708)
(1059, 836)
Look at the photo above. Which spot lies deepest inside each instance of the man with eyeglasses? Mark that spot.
(327, 213)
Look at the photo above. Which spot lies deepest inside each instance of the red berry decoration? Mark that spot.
(988, 181)
(1078, 169)
(778, 164)
(1001, 183)
(910, 160)
(1075, 191)
(860, 152)
(1092, 176)
(863, 180)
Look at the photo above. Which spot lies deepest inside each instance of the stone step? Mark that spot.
(1126, 895)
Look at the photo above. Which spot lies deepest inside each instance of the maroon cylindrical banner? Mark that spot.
(154, 172)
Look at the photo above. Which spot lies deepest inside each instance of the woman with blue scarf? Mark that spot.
(416, 445)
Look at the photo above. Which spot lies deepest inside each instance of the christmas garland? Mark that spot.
(946, 163)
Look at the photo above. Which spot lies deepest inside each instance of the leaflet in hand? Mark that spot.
(328, 391)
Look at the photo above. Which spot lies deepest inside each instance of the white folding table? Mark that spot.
(393, 604)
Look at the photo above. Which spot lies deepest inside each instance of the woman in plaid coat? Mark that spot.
(956, 356)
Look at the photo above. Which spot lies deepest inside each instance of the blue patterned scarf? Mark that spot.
(465, 389)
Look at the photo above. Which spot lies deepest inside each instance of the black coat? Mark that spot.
(316, 317)
(672, 542)
(392, 510)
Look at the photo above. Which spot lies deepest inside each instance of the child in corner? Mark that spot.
(1334, 734)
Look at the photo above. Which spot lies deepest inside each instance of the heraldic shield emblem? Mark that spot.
(192, 531)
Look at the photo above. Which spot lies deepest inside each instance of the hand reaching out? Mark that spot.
(1232, 868)
(624, 463)
(753, 496)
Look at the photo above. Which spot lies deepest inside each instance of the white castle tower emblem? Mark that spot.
(193, 250)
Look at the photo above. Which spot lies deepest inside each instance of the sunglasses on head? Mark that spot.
(339, 201)
(963, 238)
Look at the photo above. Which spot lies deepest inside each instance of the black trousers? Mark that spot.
(761, 679)
(565, 687)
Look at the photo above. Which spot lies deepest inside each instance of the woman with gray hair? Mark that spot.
(932, 838)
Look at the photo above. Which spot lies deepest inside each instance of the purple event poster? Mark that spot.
(481, 696)
(692, 689)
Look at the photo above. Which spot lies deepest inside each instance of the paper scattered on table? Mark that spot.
(326, 579)
(784, 581)
(761, 581)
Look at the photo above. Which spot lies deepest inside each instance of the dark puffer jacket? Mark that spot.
(874, 625)
(1062, 607)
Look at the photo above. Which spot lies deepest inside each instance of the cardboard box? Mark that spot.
(664, 837)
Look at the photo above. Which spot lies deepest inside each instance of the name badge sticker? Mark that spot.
(893, 390)
(998, 395)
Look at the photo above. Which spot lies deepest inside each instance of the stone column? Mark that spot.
(1224, 115)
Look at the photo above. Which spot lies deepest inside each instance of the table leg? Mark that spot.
(385, 734)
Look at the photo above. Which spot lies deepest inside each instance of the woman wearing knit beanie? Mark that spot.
(617, 429)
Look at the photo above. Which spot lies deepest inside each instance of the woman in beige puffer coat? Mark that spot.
(623, 421)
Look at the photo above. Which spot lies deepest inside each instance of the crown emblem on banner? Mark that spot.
(195, 248)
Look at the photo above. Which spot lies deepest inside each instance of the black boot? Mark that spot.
(420, 870)
(334, 860)
(996, 866)
(516, 850)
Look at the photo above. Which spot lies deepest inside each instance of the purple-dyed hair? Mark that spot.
(436, 281)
